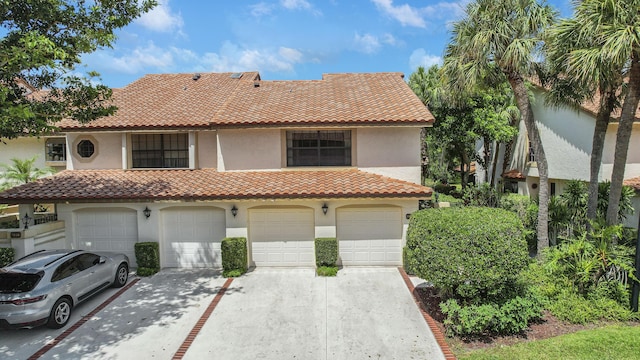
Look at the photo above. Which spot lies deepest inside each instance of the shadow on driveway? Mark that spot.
(150, 320)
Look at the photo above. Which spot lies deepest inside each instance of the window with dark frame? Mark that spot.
(56, 149)
(160, 150)
(319, 148)
(86, 148)
(532, 154)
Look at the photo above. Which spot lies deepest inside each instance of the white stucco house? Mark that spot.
(189, 159)
(567, 136)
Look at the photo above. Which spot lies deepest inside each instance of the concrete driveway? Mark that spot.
(292, 314)
(363, 313)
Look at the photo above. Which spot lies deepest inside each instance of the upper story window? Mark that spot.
(160, 150)
(319, 148)
(86, 149)
(532, 155)
(56, 149)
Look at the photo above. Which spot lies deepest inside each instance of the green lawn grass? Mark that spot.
(610, 342)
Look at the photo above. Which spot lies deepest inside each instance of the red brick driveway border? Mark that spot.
(81, 322)
(440, 338)
(203, 319)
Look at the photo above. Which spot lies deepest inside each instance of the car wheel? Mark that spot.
(60, 313)
(122, 274)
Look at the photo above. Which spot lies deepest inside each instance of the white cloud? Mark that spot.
(290, 54)
(405, 14)
(137, 60)
(295, 4)
(161, 19)
(419, 57)
(299, 5)
(232, 57)
(389, 39)
(261, 9)
(366, 43)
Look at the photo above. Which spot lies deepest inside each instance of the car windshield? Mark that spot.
(17, 282)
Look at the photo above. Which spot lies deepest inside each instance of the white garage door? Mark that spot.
(370, 236)
(192, 237)
(108, 230)
(282, 237)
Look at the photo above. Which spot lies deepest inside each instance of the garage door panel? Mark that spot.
(282, 237)
(113, 230)
(192, 237)
(370, 236)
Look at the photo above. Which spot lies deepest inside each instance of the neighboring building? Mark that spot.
(567, 136)
(189, 159)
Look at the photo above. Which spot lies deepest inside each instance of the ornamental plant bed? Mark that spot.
(548, 326)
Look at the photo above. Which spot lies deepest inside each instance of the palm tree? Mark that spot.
(23, 171)
(426, 85)
(594, 52)
(504, 36)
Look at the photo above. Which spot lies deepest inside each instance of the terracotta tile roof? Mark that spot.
(634, 183)
(208, 184)
(513, 174)
(336, 99)
(217, 100)
(168, 101)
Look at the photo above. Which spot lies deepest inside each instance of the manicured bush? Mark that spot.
(6, 256)
(327, 270)
(408, 261)
(147, 257)
(473, 254)
(512, 317)
(234, 256)
(326, 251)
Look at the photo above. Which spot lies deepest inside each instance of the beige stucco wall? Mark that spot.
(632, 168)
(207, 150)
(567, 135)
(23, 148)
(108, 153)
(249, 149)
(389, 151)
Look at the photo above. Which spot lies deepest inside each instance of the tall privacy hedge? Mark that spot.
(472, 253)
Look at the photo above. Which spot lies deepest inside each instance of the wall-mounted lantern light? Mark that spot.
(25, 221)
(325, 208)
(234, 211)
(146, 212)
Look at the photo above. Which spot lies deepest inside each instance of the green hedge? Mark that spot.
(234, 256)
(148, 258)
(472, 253)
(326, 251)
(7, 256)
(408, 261)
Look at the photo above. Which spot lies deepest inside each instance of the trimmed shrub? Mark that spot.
(473, 254)
(512, 317)
(234, 256)
(326, 251)
(148, 258)
(6, 256)
(408, 261)
(327, 270)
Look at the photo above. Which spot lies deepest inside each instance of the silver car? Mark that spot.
(43, 287)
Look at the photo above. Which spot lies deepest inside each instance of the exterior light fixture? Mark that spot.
(325, 208)
(146, 212)
(234, 211)
(26, 220)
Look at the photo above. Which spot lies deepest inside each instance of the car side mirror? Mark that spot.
(103, 259)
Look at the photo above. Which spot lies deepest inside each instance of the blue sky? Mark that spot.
(282, 39)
